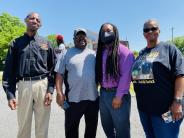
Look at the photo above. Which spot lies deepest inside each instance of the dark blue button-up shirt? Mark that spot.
(28, 57)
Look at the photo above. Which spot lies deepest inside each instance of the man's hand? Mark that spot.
(48, 99)
(116, 102)
(60, 99)
(176, 110)
(12, 103)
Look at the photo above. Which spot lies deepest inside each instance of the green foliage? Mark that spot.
(179, 42)
(132, 92)
(1, 75)
(10, 28)
(52, 39)
(136, 53)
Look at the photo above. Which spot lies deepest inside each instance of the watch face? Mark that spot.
(178, 100)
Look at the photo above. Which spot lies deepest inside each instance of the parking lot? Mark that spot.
(8, 125)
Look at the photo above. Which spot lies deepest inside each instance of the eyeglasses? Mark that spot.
(146, 30)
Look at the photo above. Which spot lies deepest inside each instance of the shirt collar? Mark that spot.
(35, 37)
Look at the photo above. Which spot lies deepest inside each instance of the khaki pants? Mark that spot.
(31, 99)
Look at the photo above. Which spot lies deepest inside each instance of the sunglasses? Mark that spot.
(146, 30)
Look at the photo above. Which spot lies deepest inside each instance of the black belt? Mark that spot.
(109, 89)
(33, 78)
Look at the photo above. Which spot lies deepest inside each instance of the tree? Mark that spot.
(135, 53)
(179, 42)
(10, 28)
(52, 39)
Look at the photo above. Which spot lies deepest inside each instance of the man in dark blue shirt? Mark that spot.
(30, 62)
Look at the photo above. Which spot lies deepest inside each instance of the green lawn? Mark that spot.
(1, 74)
(132, 90)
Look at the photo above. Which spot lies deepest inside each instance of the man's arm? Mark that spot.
(60, 71)
(60, 97)
(176, 107)
(177, 65)
(51, 75)
(51, 61)
(9, 77)
(125, 79)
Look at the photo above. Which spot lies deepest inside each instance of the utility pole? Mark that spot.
(172, 32)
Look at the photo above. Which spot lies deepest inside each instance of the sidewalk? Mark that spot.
(8, 124)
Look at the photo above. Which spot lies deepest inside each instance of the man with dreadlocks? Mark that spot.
(113, 67)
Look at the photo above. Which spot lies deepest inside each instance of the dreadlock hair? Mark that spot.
(112, 69)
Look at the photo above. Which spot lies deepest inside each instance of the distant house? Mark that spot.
(93, 40)
(93, 44)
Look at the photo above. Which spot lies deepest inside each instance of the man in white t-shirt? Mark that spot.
(61, 46)
(76, 68)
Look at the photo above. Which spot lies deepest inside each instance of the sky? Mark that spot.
(63, 16)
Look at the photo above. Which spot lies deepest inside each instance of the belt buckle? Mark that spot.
(107, 89)
(26, 79)
(110, 89)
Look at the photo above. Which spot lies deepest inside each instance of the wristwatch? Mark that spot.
(178, 100)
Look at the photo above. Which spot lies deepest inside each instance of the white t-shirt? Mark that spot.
(61, 48)
(80, 65)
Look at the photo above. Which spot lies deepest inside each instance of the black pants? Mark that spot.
(75, 112)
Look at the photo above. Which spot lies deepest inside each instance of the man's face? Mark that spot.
(151, 32)
(80, 40)
(107, 28)
(59, 41)
(33, 22)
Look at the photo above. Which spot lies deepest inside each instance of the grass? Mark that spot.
(1, 75)
(132, 90)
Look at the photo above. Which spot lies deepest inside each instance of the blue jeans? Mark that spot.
(115, 122)
(155, 127)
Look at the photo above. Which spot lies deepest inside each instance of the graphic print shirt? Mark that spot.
(153, 74)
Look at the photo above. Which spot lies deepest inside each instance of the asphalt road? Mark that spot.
(8, 123)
